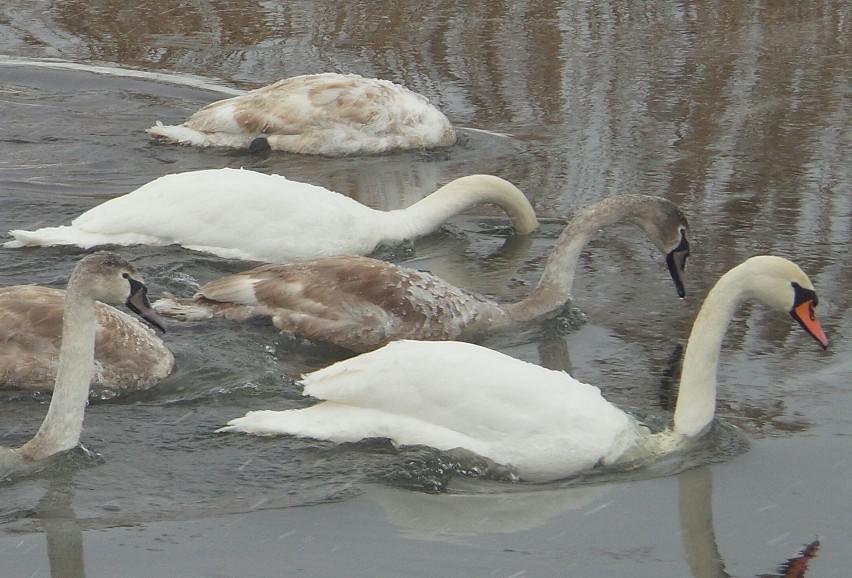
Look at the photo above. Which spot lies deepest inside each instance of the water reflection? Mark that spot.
(62, 531)
(707, 89)
(453, 517)
(695, 508)
(737, 111)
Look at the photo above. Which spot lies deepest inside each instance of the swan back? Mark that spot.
(447, 395)
(354, 302)
(236, 213)
(242, 214)
(327, 114)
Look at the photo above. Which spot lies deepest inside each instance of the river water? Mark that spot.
(737, 111)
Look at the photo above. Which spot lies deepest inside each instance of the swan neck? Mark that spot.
(553, 290)
(455, 197)
(63, 423)
(696, 401)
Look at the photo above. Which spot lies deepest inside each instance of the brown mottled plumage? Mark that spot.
(357, 303)
(30, 331)
(360, 303)
(328, 114)
(101, 277)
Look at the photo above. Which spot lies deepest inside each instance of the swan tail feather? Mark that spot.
(177, 134)
(184, 135)
(46, 237)
(181, 309)
(321, 422)
(71, 235)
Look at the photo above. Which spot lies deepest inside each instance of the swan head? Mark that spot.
(782, 285)
(109, 278)
(667, 228)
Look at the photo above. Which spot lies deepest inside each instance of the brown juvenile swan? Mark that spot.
(361, 304)
(103, 277)
(31, 337)
(323, 114)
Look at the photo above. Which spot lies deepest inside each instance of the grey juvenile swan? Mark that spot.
(102, 276)
(360, 303)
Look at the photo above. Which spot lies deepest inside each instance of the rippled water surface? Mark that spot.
(738, 113)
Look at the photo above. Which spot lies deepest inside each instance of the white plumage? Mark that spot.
(242, 214)
(543, 423)
(449, 394)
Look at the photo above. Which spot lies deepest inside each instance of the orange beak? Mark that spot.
(806, 316)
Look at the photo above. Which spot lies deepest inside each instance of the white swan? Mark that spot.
(242, 214)
(31, 330)
(103, 277)
(324, 114)
(360, 303)
(543, 423)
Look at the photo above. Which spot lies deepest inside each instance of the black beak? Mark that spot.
(676, 261)
(139, 304)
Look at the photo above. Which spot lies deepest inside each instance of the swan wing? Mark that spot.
(128, 355)
(233, 213)
(330, 114)
(355, 302)
(345, 423)
(446, 395)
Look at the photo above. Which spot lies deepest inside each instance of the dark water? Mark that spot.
(738, 113)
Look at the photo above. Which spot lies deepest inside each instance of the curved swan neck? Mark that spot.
(696, 400)
(63, 423)
(459, 195)
(553, 290)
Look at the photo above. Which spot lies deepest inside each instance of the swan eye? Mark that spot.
(801, 295)
(126, 275)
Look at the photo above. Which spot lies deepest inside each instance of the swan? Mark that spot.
(101, 276)
(242, 214)
(360, 303)
(30, 334)
(543, 423)
(322, 114)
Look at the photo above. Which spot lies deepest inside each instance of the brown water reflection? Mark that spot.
(682, 98)
(739, 111)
